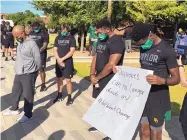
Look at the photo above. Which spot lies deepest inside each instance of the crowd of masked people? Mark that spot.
(108, 50)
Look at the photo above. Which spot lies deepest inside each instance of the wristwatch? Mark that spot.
(181, 66)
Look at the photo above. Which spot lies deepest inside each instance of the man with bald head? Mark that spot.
(27, 64)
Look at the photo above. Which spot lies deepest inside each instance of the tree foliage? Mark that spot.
(147, 11)
(24, 17)
(77, 13)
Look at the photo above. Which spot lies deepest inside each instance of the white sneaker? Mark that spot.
(24, 119)
(11, 112)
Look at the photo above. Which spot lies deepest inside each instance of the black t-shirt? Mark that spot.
(3, 29)
(40, 38)
(160, 58)
(9, 35)
(113, 45)
(64, 44)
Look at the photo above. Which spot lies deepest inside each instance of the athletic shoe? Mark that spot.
(92, 129)
(13, 59)
(11, 112)
(3, 55)
(59, 98)
(6, 59)
(24, 119)
(107, 138)
(43, 88)
(70, 101)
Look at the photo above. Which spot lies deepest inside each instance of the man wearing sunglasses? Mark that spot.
(27, 64)
(159, 56)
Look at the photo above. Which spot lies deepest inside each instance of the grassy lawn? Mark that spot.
(176, 92)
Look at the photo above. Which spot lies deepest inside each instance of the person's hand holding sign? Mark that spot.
(155, 80)
(115, 69)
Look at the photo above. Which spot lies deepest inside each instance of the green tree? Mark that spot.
(147, 11)
(76, 13)
(24, 17)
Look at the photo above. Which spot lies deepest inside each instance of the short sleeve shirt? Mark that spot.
(64, 44)
(113, 45)
(40, 37)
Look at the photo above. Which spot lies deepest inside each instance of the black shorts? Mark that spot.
(157, 106)
(9, 44)
(43, 59)
(183, 114)
(102, 83)
(67, 72)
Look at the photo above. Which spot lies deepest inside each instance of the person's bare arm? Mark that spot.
(69, 54)
(56, 53)
(113, 61)
(183, 80)
(93, 64)
(44, 47)
(93, 71)
(174, 79)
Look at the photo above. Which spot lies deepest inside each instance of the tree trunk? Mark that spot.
(82, 41)
(109, 10)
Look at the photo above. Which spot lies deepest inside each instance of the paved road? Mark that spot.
(56, 121)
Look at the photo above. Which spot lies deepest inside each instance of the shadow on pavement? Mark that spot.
(23, 129)
(58, 135)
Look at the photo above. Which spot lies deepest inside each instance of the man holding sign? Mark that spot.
(159, 56)
(109, 52)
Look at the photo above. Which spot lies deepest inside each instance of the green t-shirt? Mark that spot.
(92, 32)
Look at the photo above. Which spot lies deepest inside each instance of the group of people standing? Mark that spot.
(109, 51)
(7, 40)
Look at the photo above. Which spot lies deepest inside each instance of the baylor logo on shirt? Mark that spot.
(101, 48)
(33, 37)
(149, 59)
(63, 42)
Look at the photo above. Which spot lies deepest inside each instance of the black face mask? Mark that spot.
(20, 40)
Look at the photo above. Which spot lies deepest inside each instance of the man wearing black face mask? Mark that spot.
(159, 56)
(41, 38)
(26, 66)
(109, 52)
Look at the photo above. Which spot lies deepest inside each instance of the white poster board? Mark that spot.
(117, 110)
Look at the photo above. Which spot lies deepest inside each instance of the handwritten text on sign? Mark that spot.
(117, 110)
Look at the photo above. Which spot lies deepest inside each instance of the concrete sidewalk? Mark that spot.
(56, 121)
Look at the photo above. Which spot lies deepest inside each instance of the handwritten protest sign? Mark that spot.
(117, 110)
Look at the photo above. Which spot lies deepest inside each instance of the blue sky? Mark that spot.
(13, 6)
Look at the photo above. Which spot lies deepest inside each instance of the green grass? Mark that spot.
(176, 92)
(53, 36)
(52, 39)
